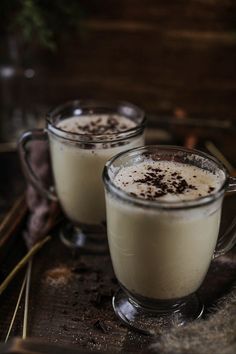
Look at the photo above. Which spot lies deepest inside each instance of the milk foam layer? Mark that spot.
(168, 181)
(96, 124)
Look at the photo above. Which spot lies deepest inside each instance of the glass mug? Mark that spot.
(77, 164)
(161, 250)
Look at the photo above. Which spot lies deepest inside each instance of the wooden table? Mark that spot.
(70, 297)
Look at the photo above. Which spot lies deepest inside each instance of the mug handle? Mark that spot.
(227, 241)
(28, 136)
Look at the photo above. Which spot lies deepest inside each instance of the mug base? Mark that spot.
(84, 239)
(150, 321)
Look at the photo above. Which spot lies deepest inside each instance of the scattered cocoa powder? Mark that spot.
(58, 276)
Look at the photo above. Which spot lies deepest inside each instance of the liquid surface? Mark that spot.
(96, 124)
(168, 181)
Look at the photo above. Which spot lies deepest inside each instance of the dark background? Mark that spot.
(157, 54)
(172, 58)
(161, 55)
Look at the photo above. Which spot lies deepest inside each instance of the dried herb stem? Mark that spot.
(218, 154)
(26, 309)
(16, 308)
(22, 263)
(8, 218)
(12, 220)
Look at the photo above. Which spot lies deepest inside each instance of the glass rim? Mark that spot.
(95, 138)
(160, 204)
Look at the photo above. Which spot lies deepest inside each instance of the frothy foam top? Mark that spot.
(168, 181)
(96, 124)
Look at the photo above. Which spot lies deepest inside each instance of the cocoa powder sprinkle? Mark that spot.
(155, 177)
(168, 180)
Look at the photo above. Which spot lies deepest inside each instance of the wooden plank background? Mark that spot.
(157, 54)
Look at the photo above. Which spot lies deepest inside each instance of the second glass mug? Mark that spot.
(161, 250)
(77, 164)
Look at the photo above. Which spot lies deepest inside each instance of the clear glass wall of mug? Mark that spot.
(161, 249)
(77, 164)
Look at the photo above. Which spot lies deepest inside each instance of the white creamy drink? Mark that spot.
(77, 167)
(162, 253)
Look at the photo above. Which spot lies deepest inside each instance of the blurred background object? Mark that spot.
(159, 55)
(166, 57)
(28, 27)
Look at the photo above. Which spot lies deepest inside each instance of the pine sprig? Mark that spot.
(43, 21)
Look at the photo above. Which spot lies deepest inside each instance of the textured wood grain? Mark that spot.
(160, 55)
(70, 300)
(72, 312)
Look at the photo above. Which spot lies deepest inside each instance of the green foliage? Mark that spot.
(40, 20)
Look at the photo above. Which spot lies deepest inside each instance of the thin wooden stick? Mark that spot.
(217, 153)
(16, 308)
(8, 218)
(12, 220)
(22, 263)
(27, 290)
(8, 147)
